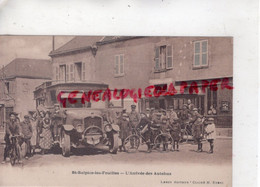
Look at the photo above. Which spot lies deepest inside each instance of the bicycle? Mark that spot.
(132, 142)
(15, 151)
(163, 141)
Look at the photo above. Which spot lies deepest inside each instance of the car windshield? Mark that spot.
(76, 102)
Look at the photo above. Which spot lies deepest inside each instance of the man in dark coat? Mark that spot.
(175, 133)
(145, 129)
(12, 129)
(134, 117)
(57, 120)
(26, 128)
(125, 128)
(198, 129)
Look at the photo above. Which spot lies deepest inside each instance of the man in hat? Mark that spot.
(210, 130)
(12, 129)
(57, 121)
(134, 117)
(26, 128)
(134, 120)
(197, 128)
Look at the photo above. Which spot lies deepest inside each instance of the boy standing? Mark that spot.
(176, 133)
(211, 133)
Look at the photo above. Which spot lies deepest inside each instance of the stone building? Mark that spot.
(17, 84)
(138, 62)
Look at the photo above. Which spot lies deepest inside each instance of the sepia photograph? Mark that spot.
(117, 99)
(129, 93)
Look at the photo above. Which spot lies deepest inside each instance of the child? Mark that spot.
(211, 133)
(176, 133)
(125, 129)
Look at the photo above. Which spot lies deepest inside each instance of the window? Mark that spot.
(7, 87)
(71, 72)
(119, 65)
(78, 71)
(62, 73)
(200, 53)
(163, 58)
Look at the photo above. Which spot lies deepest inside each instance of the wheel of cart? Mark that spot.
(163, 142)
(132, 143)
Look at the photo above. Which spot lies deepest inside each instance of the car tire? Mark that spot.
(65, 143)
(113, 148)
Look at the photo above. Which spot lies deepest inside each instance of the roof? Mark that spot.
(78, 43)
(28, 68)
(84, 43)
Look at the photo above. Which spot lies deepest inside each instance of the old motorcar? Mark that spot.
(85, 124)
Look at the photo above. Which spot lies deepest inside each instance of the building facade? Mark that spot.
(201, 66)
(18, 81)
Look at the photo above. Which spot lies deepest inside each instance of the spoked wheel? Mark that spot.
(65, 143)
(184, 137)
(163, 142)
(131, 143)
(12, 157)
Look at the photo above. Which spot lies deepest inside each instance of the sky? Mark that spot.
(37, 47)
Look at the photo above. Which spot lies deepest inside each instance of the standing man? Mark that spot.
(26, 127)
(198, 129)
(134, 120)
(57, 120)
(134, 117)
(124, 130)
(12, 128)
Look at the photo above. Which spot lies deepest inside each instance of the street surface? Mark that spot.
(187, 154)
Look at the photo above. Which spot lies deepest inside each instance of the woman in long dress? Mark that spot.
(46, 139)
(34, 132)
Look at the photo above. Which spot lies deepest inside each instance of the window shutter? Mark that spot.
(116, 65)
(72, 72)
(204, 50)
(83, 71)
(121, 64)
(197, 54)
(67, 72)
(157, 62)
(169, 63)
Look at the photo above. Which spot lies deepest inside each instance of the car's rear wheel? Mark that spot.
(114, 143)
(65, 143)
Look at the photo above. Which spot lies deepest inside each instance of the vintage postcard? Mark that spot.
(116, 110)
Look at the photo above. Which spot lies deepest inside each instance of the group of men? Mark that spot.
(30, 134)
(151, 123)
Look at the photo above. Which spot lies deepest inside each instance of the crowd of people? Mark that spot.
(41, 129)
(153, 122)
(38, 130)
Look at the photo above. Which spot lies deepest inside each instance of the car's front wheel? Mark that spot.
(65, 143)
(113, 147)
